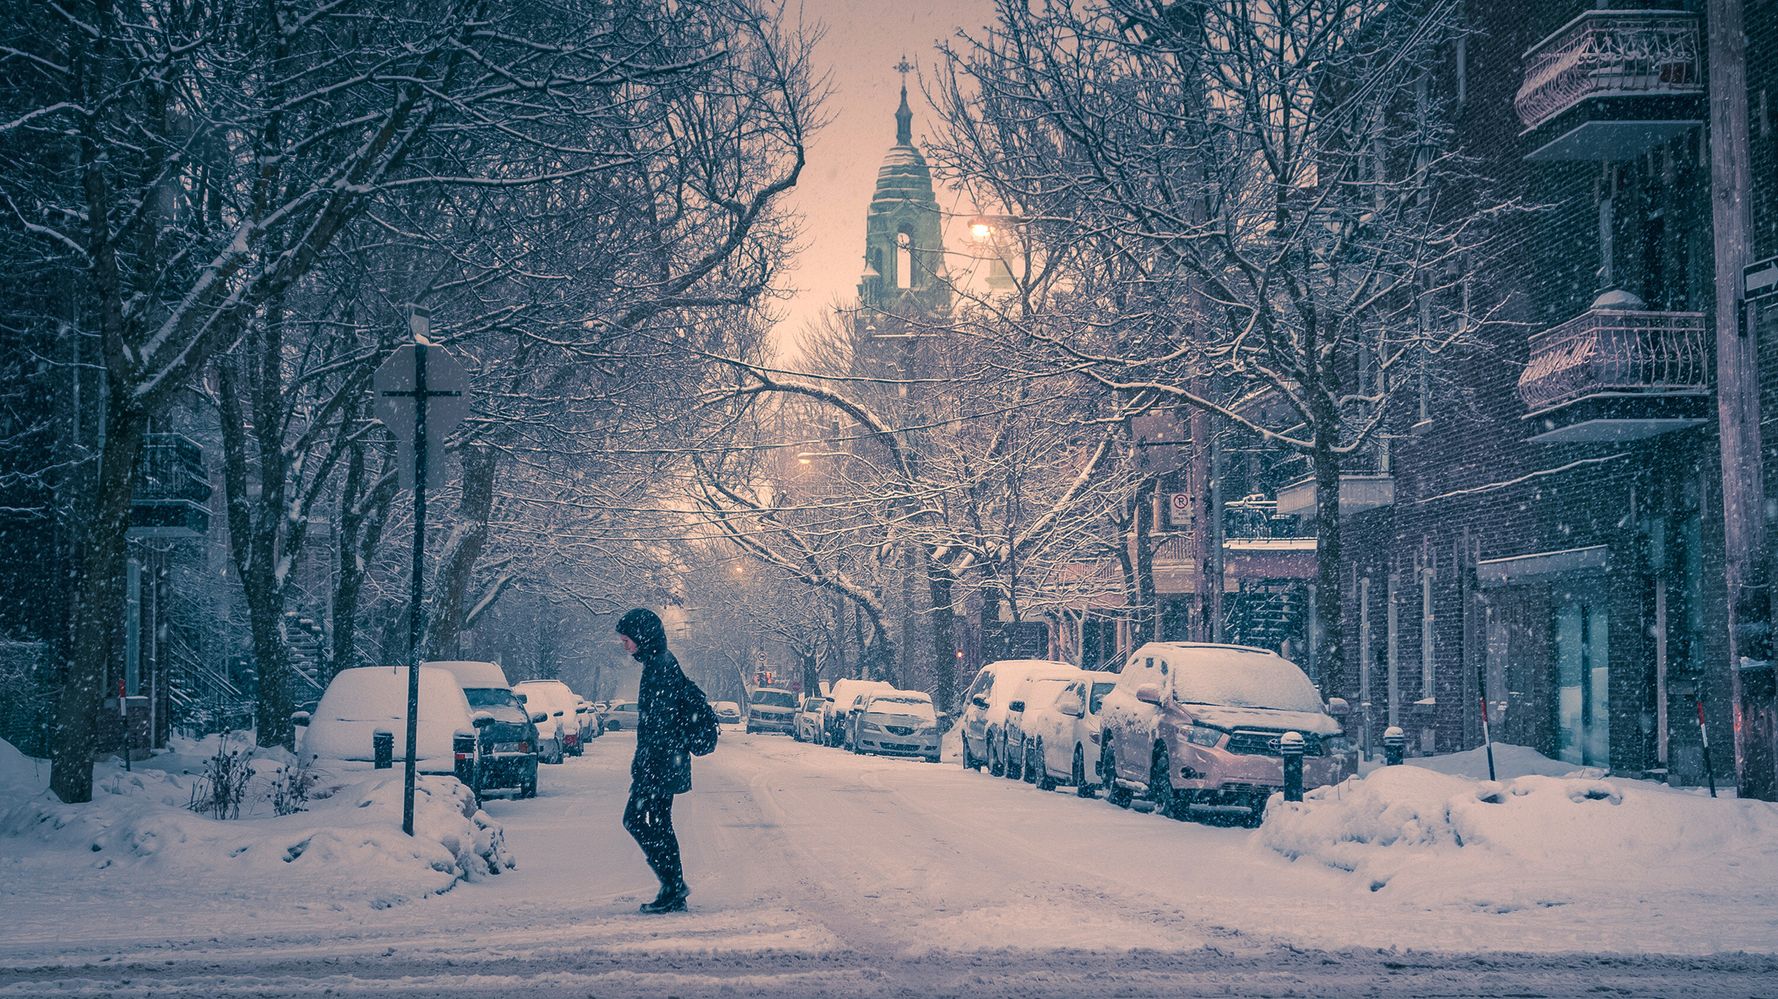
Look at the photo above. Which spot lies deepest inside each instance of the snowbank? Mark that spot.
(347, 847)
(1531, 840)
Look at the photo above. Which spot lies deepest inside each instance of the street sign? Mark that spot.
(447, 403)
(1160, 439)
(1179, 509)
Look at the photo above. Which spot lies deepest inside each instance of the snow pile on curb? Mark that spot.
(348, 846)
(1528, 840)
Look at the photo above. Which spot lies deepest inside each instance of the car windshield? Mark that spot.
(774, 698)
(1242, 679)
(905, 707)
(1099, 691)
(497, 701)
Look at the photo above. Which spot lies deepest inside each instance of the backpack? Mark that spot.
(700, 739)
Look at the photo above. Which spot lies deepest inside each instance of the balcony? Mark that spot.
(1617, 372)
(1366, 487)
(1610, 84)
(172, 489)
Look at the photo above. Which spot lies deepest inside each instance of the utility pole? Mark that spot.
(1738, 408)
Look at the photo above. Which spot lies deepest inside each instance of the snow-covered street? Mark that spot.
(819, 873)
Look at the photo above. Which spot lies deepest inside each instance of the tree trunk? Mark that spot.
(944, 635)
(456, 568)
(1327, 638)
(1147, 609)
(99, 608)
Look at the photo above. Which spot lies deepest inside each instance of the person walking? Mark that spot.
(670, 713)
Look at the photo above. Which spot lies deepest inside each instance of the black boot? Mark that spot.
(671, 899)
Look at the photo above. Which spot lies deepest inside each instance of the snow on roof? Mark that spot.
(471, 674)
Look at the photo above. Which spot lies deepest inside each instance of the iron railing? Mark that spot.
(172, 468)
(1619, 352)
(1610, 53)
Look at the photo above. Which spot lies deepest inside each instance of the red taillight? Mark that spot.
(462, 756)
(524, 747)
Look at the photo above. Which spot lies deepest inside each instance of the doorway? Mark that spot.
(1583, 672)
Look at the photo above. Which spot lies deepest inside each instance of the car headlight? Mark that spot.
(1202, 735)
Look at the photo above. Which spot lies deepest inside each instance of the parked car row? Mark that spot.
(516, 727)
(866, 716)
(1182, 724)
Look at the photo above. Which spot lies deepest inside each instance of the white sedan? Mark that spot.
(1062, 731)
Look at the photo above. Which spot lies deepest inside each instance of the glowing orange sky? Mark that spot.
(863, 43)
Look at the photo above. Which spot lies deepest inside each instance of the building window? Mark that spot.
(1426, 632)
(904, 261)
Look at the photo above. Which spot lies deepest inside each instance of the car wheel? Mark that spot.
(1115, 793)
(996, 760)
(1167, 800)
(1039, 765)
(970, 760)
(1006, 754)
(1082, 788)
(528, 789)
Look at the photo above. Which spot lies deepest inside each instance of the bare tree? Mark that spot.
(1264, 211)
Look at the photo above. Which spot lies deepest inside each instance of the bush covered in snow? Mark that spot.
(347, 845)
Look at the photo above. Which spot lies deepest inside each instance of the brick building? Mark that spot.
(1554, 540)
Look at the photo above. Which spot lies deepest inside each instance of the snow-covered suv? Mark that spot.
(1200, 724)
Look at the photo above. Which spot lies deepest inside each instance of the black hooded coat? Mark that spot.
(669, 710)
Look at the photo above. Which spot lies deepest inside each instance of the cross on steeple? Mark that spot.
(904, 118)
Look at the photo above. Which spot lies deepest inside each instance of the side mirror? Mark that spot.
(1016, 706)
(299, 718)
(1338, 707)
(522, 696)
(979, 701)
(1149, 693)
(481, 719)
(1072, 710)
(558, 714)
(539, 718)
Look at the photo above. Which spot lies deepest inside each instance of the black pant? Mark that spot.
(649, 818)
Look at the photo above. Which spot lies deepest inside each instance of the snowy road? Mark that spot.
(817, 873)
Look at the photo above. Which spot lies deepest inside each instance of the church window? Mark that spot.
(904, 260)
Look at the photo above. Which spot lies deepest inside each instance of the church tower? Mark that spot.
(904, 273)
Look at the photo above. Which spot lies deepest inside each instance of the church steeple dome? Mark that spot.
(903, 245)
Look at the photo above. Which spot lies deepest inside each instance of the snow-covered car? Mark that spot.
(591, 725)
(1191, 723)
(1062, 733)
(897, 723)
(771, 709)
(837, 707)
(621, 716)
(1033, 689)
(508, 756)
(808, 719)
(363, 700)
(558, 734)
(727, 712)
(985, 706)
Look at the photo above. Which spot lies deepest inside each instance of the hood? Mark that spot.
(1310, 722)
(643, 627)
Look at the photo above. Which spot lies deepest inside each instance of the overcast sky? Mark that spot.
(864, 42)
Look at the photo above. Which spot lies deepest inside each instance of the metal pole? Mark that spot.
(416, 587)
(1704, 734)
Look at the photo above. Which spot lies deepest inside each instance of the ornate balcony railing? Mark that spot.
(1610, 53)
(1617, 351)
